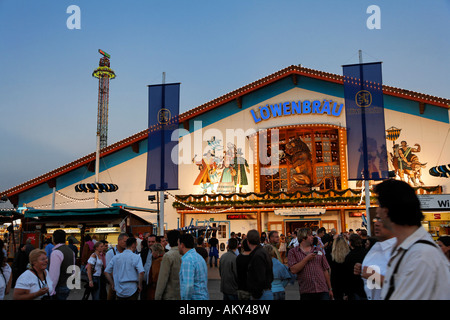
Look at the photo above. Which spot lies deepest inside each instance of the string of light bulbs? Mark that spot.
(194, 208)
(72, 200)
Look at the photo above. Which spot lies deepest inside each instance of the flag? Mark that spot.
(364, 111)
(163, 105)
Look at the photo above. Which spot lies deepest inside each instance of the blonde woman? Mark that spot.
(281, 275)
(34, 283)
(157, 254)
(338, 271)
(95, 267)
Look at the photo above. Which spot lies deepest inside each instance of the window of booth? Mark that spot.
(322, 148)
(438, 228)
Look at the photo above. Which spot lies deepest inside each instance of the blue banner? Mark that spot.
(364, 111)
(163, 106)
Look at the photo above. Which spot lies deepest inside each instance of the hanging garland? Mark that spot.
(296, 194)
(270, 198)
(179, 204)
(316, 201)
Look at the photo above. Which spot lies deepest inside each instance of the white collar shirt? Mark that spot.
(294, 242)
(377, 259)
(424, 272)
(111, 253)
(125, 268)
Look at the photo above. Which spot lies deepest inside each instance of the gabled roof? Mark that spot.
(291, 71)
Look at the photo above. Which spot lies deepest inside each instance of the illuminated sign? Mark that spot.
(240, 216)
(66, 230)
(282, 109)
(355, 214)
(103, 230)
(300, 212)
(439, 202)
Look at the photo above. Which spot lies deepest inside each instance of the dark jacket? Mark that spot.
(19, 265)
(242, 261)
(355, 282)
(69, 260)
(144, 253)
(259, 273)
(228, 273)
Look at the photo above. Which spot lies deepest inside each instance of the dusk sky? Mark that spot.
(48, 97)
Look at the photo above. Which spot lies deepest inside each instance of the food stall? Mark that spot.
(437, 223)
(10, 231)
(436, 211)
(101, 223)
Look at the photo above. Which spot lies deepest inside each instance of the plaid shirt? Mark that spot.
(311, 279)
(193, 277)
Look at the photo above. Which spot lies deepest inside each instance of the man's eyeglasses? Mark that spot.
(376, 219)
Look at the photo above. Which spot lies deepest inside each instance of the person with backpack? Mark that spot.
(125, 272)
(417, 269)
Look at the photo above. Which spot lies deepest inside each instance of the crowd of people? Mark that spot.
(400, 261)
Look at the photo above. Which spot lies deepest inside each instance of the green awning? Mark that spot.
(8, 216)
(35, 213)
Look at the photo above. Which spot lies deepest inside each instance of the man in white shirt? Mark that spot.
(294, 241)
(139, 243)
(417, 269)
(125, 273)
(118, 249)
(373, 268)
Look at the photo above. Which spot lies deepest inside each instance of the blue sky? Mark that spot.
(48, 97)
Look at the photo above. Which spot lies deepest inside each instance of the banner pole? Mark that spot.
(161, 193)
(97, 168)
(366, 182)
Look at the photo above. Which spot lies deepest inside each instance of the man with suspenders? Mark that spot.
(417, 269)
(120, 247)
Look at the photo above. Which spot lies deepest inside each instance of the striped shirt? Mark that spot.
(311, 278)
(193, 277)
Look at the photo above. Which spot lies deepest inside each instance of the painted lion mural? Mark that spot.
(299, 156)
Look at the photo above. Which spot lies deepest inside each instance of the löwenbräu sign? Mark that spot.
(282, 109)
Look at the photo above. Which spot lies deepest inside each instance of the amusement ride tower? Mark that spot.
(103, 73)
